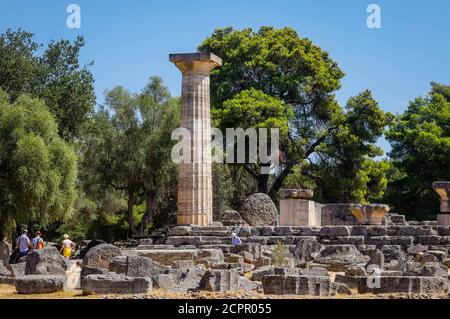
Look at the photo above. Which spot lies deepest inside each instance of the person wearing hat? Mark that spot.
(23, 243)
(38, 242)
(67, 246)
(235, 240)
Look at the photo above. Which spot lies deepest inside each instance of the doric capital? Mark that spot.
(296, 193)
(201, 62)
(369, 214)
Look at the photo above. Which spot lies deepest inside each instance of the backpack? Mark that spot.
(39, 245)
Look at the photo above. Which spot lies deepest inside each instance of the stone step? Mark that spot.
(323, 232)
(167, 257)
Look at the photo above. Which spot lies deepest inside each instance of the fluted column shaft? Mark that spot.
(195, 176)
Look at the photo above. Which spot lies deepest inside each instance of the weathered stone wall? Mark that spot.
(402, 235)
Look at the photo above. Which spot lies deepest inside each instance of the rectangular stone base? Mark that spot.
(299, 212)
(443, 219)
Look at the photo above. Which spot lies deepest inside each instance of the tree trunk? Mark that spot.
(150, 213)
(279, 181)
(263, 183)
(130, 211)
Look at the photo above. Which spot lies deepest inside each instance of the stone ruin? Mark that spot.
(307, 248)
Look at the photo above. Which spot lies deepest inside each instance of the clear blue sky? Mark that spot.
(130, 40)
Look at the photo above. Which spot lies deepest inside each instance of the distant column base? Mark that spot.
(298, 212)
(198, 220)
(443, 219)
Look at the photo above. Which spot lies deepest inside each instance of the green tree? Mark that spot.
(274, 77)
(344, 168)
(255, 109)
(160, 114)
(38, 170)
(420, 140)
(54, 75)
(128, 147)
(223, 190)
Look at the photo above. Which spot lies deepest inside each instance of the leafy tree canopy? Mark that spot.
(128, 147)
(273, 77)
(38, 170)
(52, 74)
(420, 140)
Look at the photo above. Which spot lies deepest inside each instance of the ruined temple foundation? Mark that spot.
(195, 176)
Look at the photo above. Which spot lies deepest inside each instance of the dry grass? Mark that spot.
(9, 292)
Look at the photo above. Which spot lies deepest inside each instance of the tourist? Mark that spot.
(23, 243)
(235, 240)
(67, 246)
(38, 242)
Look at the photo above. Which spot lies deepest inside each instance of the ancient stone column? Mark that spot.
(443, 190)
(195, 177)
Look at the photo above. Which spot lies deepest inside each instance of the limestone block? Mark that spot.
(443, 190)
(116, 284)
(259, 273)
(333, 231)
(39, 284)
(429, 240)
(135, 266)
(390, 240)
(405, 284)
(18, 269)
(340, 257)
(73, 274)
(343, 240)
(296, 285)
(5, 252)
(299, 212)
(187, 279)
(47, 261)
(340, 289)
(164, 281)
(247, 285)
(254, 249)
(220, 280)
(443, 219)
(100, 256)
(232, 218)
(4, 271)
(337, 214)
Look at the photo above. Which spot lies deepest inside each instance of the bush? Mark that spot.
(279, 255)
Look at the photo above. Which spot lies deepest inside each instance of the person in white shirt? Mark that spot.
(23, 243)
(67, 246)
